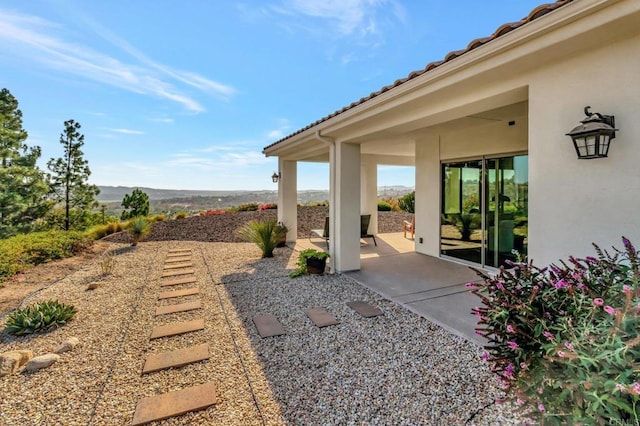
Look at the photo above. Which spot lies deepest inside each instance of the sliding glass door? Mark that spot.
(484, 210)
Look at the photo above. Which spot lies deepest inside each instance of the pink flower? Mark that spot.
(485, 356)
(510, 329)
(610, 310)
(568, 346)
(513, 345)
(561, 354)
(561, 284)
(620, 387)
(500, 286)
(519, 401)
(541, 408)
(626, 288)
(470, 285)
(598, 301)
(636, 388)
(523, 366)
(548, 335)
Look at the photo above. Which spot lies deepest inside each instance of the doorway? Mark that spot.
(484, 210)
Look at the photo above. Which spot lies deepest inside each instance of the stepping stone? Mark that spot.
(178, 281)
(178, 266)
(268, 325)
(177, 328)
(176, 273)
(178, 259)
(178, 293)
(176, 358)
(320, 317)
(180, 307)
(365, 309)
(172, 404)
(174, 251)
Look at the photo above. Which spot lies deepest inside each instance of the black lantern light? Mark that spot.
(275, 177)
(592, 138)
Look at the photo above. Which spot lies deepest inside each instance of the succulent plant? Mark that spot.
(39, 317)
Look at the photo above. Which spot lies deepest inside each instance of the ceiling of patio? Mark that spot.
(396, 145)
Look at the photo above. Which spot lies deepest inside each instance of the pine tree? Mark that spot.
(135, 204)
(23, 187)
(70, 174)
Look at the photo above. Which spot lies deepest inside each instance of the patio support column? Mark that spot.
(288, 197)
(345, 229)
(369, 191)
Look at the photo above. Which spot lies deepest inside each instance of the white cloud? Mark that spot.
(162, 120)
(346, 17)
(224, 160)
(283, 129)
(39, 41)
(127, 131)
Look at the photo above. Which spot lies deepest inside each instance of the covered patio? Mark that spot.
(428, 286)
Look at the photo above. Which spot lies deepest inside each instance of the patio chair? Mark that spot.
(409, 227)
(323, 233)
(364, 228)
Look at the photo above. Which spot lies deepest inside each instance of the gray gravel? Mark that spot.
(393, 369)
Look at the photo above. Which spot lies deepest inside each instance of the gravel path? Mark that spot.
(393, 369)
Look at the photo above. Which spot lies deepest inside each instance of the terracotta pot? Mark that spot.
(316, 266)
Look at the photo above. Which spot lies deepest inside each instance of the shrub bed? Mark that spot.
(23, 251)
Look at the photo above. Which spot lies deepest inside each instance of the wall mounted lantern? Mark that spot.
(275, 177)
(591, 139)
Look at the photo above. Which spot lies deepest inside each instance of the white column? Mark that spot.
(428, 195)
(369, 191)
(288, 197)
(345, 232)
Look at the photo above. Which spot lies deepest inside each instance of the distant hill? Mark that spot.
(173, 200)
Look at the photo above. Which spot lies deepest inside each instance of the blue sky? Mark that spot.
(184, 95)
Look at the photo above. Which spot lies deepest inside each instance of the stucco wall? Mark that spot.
(575, 202)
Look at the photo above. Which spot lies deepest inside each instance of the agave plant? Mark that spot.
(266, 234)
(39, 317)
(138, 228)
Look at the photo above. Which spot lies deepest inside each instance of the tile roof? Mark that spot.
(502, 30)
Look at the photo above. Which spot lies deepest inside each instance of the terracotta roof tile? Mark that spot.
(474, 44)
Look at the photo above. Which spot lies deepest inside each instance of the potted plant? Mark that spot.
(311, 261)
(281, 230)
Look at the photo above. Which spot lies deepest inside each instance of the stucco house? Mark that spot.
(486, 129)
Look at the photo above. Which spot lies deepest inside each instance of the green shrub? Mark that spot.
(407, 203)
(383, 206)
(23, 251)
(180, 215)
(249, 207)
(138, 227)
(302, 260)
(564, 340)
(266, 234)
(39, 317)
(157, 218)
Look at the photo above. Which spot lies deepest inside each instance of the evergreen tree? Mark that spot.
(70, 174)
(136, 204)
(23, 187)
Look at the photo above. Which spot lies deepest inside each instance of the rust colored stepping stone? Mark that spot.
(176, 273)
(176, 358)
(172, 404)
(178, 259)
(174, 251)
(177, 328)
(178, 281)
(320, 317)
(268, 325)
(178, 266)
(180, 307)
(178, 293)
(364, 309)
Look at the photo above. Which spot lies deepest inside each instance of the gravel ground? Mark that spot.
(219, 228)
(393, 369)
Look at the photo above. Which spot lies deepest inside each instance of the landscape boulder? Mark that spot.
(10, 362)
(67, 345)
(42, 361)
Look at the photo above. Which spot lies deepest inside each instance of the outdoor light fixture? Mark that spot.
(591, 138)
(275, 177)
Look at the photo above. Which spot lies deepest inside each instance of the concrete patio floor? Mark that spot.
(428, 286)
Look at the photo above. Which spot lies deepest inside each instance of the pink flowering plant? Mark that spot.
(564, 340)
